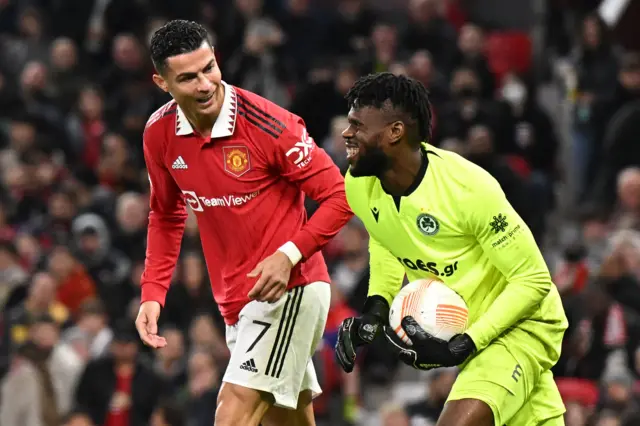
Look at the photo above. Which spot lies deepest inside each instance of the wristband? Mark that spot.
(292, 252)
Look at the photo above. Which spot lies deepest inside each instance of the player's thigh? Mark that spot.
(466, 412)
(272, 343)
(497, 379)
(301, 416)
(543, 407)
(241, 405)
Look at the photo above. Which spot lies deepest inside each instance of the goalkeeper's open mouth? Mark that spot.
(352, 150)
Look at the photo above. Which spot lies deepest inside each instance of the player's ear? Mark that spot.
(396, 130)
(160, 82)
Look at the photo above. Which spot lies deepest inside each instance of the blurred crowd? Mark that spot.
(75, 94)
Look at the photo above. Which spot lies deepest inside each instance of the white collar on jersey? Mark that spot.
(225, 123)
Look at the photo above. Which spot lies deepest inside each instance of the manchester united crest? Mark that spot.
(236, 160)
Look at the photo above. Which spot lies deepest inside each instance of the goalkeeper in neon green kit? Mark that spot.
(432, 214)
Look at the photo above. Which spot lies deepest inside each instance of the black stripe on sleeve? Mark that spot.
(171, 111)
(248, 112)
(258, 124)
(260, 111)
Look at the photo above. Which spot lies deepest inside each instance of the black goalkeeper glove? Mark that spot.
(428, 352)
(359, 331)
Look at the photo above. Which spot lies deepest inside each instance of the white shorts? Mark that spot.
(272, 343)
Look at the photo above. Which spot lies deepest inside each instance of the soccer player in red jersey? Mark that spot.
(243, 165)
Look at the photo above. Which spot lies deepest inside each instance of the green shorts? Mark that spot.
(511, 381)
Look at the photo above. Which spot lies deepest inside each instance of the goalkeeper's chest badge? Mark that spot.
(427, 224)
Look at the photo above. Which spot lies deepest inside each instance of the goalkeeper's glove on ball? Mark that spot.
(359, 331)
(427, 351)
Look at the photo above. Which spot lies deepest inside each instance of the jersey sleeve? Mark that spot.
(510, 247)
(167, 220)
(386, 273)
(302, 162)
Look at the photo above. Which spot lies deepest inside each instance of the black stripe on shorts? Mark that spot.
(285, 331)
(293, 324)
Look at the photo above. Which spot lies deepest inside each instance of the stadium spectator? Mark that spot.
(30, 393)
(202, 388)
(171, 361)
(596, 64)
(120, 388)
(428, 410)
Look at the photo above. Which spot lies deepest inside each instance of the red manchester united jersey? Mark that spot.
(246, 185)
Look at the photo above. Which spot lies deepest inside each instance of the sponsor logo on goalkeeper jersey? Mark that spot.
(431, 267)
(198, 203)
(506, 239)
(499, 223)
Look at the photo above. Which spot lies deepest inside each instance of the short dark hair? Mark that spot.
(401, 92)
(174, 38)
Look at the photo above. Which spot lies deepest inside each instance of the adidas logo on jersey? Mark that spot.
(179, 164)
(249, 366)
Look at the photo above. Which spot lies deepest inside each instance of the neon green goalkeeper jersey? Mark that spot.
(457, 226)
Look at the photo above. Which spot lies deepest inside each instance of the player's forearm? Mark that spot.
(163, 248)
(518, 301)
(332, 214)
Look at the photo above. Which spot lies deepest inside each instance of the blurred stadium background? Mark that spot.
(545, 94)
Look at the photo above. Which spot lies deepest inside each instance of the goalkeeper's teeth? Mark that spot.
(351, 152)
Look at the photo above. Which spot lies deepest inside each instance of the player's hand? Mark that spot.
(426, 351)
(353, 333)
(359, 331)
(147, 324)
(274, 273)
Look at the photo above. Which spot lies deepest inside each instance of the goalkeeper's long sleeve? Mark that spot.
(516, 256)
(386, 273)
